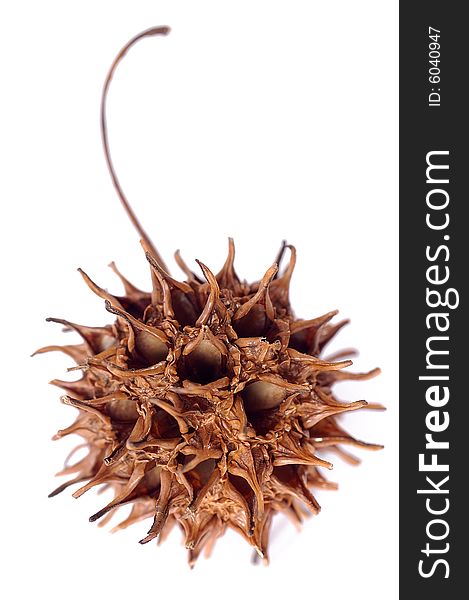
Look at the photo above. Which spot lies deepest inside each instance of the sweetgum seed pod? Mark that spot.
(206, 403)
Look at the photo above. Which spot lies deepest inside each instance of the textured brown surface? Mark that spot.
(206, 403)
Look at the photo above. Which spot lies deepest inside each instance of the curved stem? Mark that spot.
(104, 134)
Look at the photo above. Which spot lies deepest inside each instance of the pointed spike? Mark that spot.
(345, 376)
(315, 324)
(130, 290)
(149, 341)
(86, 408)
(115, 454)
(291, 452)
(375, 406)
(95, 337)
(280, 255)
(242, 464)
(231, 492)
(75, 351)
(191, 276)
(174, 283)
(281, 286)
(262, 290)
(140, 326)
(168, 310)
(156, 291)
(162, 507)
(330, 333)
(213, 296)
(67, 484)
(329, 433)
(99, 514)
(100, 477)
(227, 277)
(81, 387)
(197, 501)
(317, 363)
(314, 461)
(107, 518)
(99, 291)
(326, 411)
(124, 497)
(286, 276)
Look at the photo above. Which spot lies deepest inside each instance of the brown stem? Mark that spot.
(104, 134)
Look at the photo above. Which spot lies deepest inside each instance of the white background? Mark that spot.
(260, 120)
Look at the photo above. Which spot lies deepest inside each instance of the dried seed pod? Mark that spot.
(206, 403)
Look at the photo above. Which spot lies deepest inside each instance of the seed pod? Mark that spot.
(206, 403)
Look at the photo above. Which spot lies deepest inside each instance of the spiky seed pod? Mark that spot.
(206, 403)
